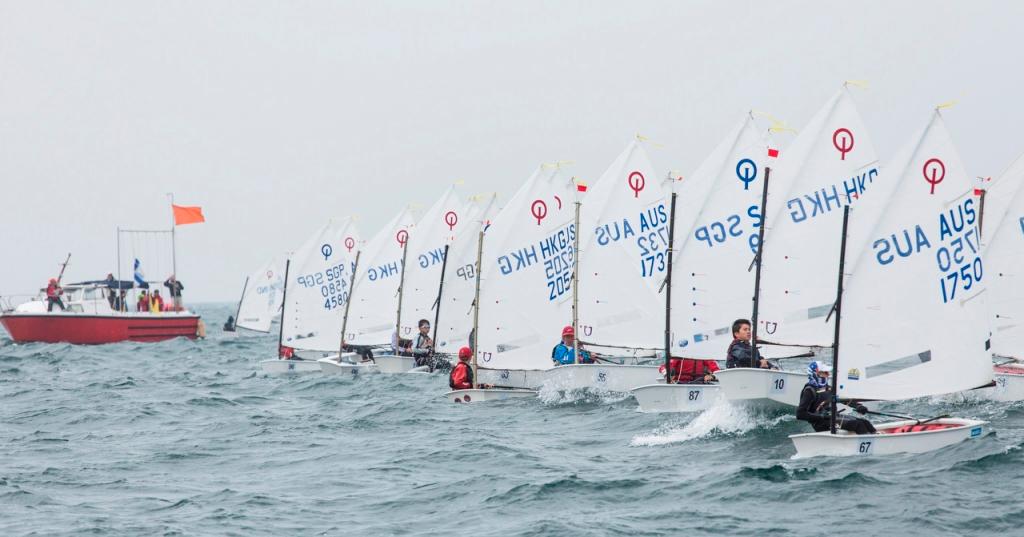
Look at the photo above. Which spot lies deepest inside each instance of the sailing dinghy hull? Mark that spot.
(676, 397)
(333, 366)
(761, 387)
(1009, 385)
(527, 379)
(482, 395)
(600, 377)
(890, 439)
(289, 367)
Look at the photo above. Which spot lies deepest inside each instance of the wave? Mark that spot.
(722, 419)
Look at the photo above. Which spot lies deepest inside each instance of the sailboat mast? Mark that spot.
(238, 311)
(440, 292)
(838, 310)
(476, 305)
(348, 302)
(284, 307)
(576, 288)
(401, 286)
(757, 265)
(668, 290)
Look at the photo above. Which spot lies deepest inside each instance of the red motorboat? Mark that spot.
(89, 319)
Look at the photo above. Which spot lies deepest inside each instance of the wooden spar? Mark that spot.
(668, 291)
(238, 311)
(757, 266)
(838, 310)
(476, 306)
(348, 302)
(401, 285)
(284, 307)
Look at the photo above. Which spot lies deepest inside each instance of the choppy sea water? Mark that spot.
(188, 438)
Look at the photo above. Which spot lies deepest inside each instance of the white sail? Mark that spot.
(427, 239)
(913, 312)
(624, 254)
(262, 297)
(319, 277)
(1004, 261)
(371, 318)
(456, 317)
(526, 290)
(829, 165)
(718, 216)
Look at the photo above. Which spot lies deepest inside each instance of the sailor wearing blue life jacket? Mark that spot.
(565, 352)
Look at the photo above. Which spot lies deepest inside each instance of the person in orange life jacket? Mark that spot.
(53, 292)
(816, 404)
(156, 302)
(143, 303)
(565, 352)
(741, 353)
(461, 376)
(689, 370)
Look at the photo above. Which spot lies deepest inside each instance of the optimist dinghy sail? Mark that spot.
(527, 280)
(454, 322)
(912, 314)
(1003, 239)
(318, 287)
(262, 298)
(829, 165)
(372, 315)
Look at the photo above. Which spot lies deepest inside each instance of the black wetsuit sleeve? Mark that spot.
(735, 353)
(805, 410)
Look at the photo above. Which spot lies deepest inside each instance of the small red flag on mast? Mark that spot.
(773, 153)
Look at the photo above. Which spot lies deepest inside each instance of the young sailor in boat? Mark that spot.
(565, 352)
(815, 404)
(53, 292)
(422, 348)
(741, 353)
(461, 377)
(691, 371)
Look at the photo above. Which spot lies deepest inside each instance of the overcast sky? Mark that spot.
(274, 116)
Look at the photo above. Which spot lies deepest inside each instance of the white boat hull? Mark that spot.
(1009, 385)
(390, 363)
(676, 397)
(494, 394)
(289, 367)
(331, 366)
(846, 444)
(528, 379)
(761, 387)
(600, 377)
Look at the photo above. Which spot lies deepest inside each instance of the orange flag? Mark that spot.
(187, 215)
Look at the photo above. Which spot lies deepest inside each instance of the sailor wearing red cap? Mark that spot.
(461, 377)
(565, 352)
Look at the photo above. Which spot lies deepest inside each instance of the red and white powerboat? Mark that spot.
(89, 319)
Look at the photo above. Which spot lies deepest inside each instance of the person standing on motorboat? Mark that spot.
(565, 352)
(174, 288)
(461, 376)
(143, 303)
(156, 302)
(691, 370)
(111, 291)
(53, 292)
(816, 404)
(741, 353)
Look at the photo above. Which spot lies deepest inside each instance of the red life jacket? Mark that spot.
(51, 291)
(465, 382)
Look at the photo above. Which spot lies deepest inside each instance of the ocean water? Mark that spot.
(189, 438)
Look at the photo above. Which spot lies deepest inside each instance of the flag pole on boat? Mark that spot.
(668, 290)
(174, 258)
(348, 302)
(838, 311)
(284, 301)
(476, 306)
